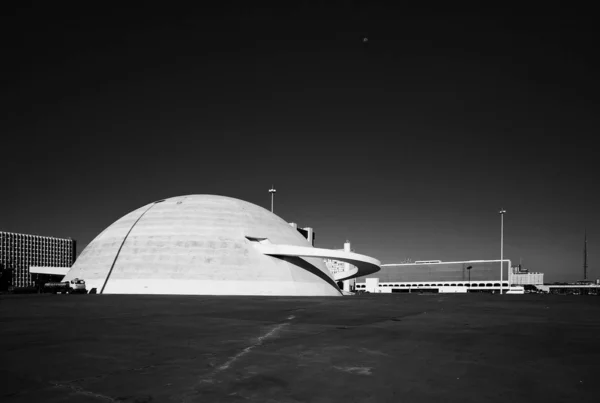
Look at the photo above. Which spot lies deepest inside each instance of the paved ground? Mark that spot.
(368, 348)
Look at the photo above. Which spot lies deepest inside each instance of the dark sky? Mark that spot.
(407, 144)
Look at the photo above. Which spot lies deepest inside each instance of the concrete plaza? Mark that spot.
(364, 348)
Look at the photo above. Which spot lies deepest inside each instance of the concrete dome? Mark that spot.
(199, 245)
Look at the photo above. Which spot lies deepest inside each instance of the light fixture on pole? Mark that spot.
(501, 212)
(469, 269)
(272, 191)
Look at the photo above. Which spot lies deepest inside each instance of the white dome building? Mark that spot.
(208, 245)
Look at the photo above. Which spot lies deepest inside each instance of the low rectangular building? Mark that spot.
(438, 271)
(528, 278)
(438, 276)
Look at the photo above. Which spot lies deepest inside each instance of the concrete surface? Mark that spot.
(365, 348)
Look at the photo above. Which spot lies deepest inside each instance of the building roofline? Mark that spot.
(35, 235)
(456, 262)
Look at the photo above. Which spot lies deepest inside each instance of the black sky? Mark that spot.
(406, 144)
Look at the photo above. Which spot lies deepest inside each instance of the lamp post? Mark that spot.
(272, 191)
(501, 212)
(469, 270)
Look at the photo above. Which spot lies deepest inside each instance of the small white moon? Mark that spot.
(365, 39)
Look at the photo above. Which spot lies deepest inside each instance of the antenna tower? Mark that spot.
(585, 265)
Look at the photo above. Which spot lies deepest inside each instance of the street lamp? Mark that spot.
(469, 269)
(272, 191)
(501, 212)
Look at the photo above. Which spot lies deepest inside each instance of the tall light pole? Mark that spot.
(469, 269)
(501, 212)
(272, 191)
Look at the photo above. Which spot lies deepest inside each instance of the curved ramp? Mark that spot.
(365, 265)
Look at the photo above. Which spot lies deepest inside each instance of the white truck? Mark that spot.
(74, 286)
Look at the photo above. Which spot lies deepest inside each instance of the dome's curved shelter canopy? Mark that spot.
(203, 245)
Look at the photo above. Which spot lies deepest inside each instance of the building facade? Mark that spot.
(527, 278)
(19, 252)
(438, 271)
(435, 274)
(522, 276)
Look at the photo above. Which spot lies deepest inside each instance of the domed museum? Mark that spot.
(208, 245)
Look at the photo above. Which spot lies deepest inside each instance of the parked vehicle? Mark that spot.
(75, 286)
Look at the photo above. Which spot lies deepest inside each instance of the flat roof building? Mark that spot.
(19, 252)
(436, 270)
(438, 275)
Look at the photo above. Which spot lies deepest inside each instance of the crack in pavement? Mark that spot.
(249, 348)
(259, 342)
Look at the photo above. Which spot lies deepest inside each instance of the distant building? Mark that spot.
(521, 276)
(438, 271)
(527, 279)
(434, 275)
(19, 252)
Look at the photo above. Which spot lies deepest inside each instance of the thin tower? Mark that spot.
(585, 265)
(272, 191)
(502, 212)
